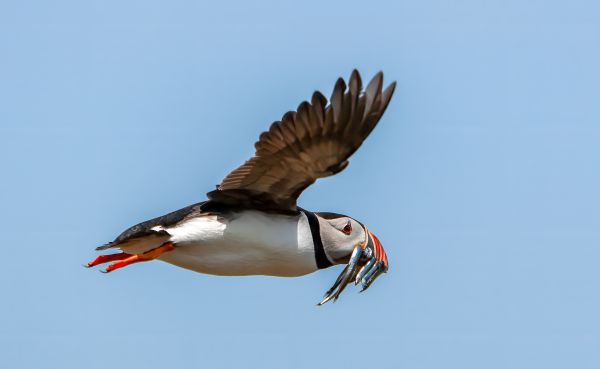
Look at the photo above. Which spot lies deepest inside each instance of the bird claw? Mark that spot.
(366, 264)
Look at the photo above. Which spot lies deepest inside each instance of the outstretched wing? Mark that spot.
(313, 142)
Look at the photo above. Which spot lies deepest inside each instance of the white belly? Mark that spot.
(250, 243)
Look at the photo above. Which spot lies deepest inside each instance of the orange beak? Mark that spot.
(378, 249)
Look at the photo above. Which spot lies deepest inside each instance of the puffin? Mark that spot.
(251, 223)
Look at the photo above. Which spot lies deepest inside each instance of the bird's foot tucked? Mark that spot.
(106, 258)
(123, 259)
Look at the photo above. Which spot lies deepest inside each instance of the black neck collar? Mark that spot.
(320, 256)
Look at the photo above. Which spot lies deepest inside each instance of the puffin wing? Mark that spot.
(313, 142)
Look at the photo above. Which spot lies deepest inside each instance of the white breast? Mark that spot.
(247, 243)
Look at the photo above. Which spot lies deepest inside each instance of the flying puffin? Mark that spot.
(251, 225)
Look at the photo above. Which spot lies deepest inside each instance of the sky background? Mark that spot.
(482, 180)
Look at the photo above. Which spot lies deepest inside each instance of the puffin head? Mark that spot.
(341, 235)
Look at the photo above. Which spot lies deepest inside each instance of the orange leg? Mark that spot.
(147, 256)
(106, 258)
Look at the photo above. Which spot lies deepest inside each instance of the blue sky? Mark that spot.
(481, 181)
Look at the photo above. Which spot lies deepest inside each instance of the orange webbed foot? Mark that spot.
(123, 259)
(106, 258)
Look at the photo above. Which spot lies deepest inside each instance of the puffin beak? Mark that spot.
(378, 249)
(367, 262)
(377, 265)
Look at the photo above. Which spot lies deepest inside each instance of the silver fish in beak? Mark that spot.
(367, 262)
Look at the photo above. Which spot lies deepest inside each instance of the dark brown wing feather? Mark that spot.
(313, 142)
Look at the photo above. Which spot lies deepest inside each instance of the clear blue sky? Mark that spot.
(482, 181)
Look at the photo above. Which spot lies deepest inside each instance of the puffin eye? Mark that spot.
(347, 228)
